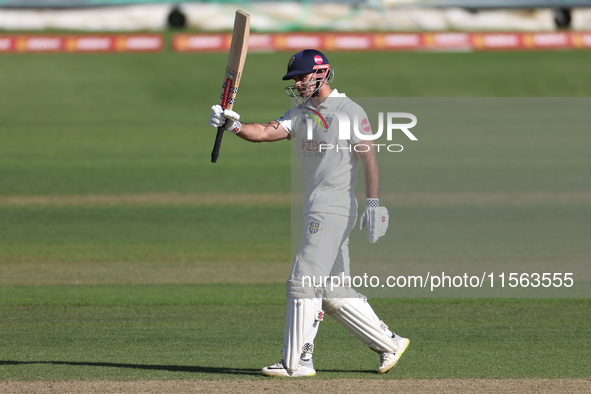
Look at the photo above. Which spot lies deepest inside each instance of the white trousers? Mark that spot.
(324, 252)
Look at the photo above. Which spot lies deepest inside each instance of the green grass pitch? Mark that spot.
(125, 254)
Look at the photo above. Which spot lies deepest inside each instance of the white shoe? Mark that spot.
(389, 360)
(306, 368)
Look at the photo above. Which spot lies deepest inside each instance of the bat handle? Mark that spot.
(218, 143)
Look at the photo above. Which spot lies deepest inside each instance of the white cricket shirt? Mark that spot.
(328, 159)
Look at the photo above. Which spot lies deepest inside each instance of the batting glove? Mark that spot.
(376, 218)
(217, 118)
(230, 120)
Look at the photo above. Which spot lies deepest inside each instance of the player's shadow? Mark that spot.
(170, 368)
(360, 371)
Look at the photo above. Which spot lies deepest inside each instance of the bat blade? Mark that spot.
(236, 59)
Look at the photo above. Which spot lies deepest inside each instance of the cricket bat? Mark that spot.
(236, 59)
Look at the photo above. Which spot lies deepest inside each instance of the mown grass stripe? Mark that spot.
(285, 199)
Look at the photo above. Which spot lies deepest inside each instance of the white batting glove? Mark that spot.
(217, 118)
(376, 218)
(226, 118)
(232, 124)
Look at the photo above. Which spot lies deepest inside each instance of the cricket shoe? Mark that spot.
(278, 369)
(389, 360)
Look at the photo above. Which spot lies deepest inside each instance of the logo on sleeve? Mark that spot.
(365, 125)
(314, 226)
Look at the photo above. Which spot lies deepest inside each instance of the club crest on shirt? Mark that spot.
(314, 226)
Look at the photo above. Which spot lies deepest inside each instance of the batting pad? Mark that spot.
(302, 319)
(358, 317)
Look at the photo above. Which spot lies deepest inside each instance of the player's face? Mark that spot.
(303, 84)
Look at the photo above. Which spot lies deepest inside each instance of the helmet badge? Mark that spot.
(290, 63)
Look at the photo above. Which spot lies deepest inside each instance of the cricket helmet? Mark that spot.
(306, 62)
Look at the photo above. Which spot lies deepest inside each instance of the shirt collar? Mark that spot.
(334, 94)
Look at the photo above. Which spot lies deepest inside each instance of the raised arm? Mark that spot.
(253, 132)
(268, 132)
